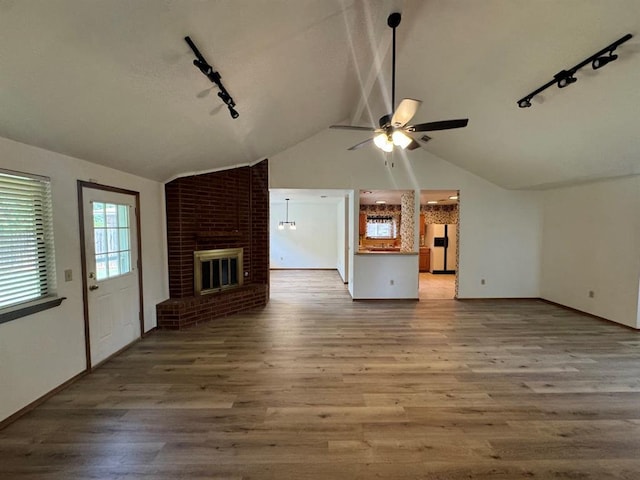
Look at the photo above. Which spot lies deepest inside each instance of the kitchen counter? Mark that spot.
(384, 252)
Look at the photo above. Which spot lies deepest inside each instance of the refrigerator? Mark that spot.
(442, 240)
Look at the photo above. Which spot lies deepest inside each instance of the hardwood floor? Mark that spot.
(316, 386)
(436, 287)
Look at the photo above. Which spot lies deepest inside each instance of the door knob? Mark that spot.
(94, 287)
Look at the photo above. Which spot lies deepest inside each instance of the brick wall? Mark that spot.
(227, 209)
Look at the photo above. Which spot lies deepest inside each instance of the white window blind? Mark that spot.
(27, 267)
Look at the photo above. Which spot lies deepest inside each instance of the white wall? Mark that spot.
(314, 242)
(591, 241)
(500, 229)
(342, 240)
(385, 276)
(41, 351)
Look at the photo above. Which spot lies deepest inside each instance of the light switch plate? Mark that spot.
(68, 275)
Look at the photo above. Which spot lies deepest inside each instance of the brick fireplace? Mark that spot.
(215, 211)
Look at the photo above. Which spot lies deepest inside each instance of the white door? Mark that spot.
(112, 274)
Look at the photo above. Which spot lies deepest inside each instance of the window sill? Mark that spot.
(29, 308)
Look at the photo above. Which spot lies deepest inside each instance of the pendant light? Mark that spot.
(292, 224)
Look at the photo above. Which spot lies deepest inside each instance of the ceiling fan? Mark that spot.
(395, 129)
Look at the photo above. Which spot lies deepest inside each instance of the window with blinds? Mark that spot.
(27, 267)
(381, 227)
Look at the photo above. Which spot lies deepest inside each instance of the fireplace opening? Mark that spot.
(217, 270)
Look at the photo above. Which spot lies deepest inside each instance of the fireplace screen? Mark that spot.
(217, 270)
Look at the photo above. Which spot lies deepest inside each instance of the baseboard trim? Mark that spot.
(555, 304)
(39, 401)
(149, 332)
(298, 268)
(571, 309)
(493, 299)
(411, 299)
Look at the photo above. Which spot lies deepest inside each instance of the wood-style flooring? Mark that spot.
(315, 386)
(436, 287)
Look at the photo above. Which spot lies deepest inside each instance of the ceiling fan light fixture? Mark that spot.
(401, 139)
(382, 142)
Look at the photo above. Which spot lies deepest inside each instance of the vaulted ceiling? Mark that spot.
(112, 81)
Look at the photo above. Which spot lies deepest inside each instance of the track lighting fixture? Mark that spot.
(214, 77)
(524, 103)
(602, 61)
(565, 78)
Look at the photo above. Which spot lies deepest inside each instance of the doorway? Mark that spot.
(111, 270)
(438, 242)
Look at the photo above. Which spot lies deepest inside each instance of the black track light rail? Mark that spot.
(213, 76)
(565, 77)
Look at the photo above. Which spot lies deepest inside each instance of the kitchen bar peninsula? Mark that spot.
(385, 274)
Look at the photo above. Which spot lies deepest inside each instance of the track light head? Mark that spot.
(524, 103)
(202, 66)
(565, 81)
(233, 112)
(224, 96)
(600, 62)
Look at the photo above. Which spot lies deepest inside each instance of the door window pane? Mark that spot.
(100, 240)
(112, 239)
(101, 267)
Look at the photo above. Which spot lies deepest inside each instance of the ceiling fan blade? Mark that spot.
(361, 144)
(443, 125)
(405, 112)
(351, 127)
(413, 145)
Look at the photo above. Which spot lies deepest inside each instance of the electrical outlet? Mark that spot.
(591, 294)
(68, 275)
(482, 281)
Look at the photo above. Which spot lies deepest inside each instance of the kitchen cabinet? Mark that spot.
(425, 259)
(363, 224)
(422, 225)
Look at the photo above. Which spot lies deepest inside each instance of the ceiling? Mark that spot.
(393, 197)
(279, 195)
(112, 81)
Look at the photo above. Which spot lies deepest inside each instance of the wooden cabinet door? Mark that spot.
(425, 257)
(422, 225)
(363, 224)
